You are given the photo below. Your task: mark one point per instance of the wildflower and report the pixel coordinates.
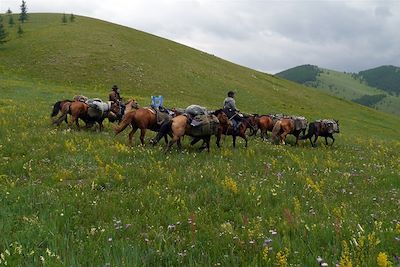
(281, 258)
(230, 184)
(265, 253)
(273, 232)
(382, 260)
(267, 242)
(109, 239)
(171, 227)
(345, 260)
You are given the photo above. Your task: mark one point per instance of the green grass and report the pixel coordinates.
(86, 198)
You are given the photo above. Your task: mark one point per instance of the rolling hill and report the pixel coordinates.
(377, 88)
(84, 198)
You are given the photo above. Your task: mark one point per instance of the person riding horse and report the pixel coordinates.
(115, 97)
(231, 111)
(114, 94)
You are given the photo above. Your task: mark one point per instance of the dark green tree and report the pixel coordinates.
(3, 33)
(64, 19)
(72, 18)
(20, 30)
(23, 16)
(10, 18)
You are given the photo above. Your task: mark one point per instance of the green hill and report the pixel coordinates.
(370, 88)
(84, 198)
(386, 78)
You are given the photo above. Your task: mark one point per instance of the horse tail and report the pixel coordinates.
(275, 131)
(311, 131)
(165, 129)
(126, 120)
(56, 108)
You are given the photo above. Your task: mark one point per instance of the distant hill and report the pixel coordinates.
(377, 88)
(386, 78)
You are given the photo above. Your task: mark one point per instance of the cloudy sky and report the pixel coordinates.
(267, 35)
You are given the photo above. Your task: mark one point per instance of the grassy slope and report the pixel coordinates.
(65, 194)
(343, 85)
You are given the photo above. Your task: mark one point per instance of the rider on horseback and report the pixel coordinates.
(114, 94)
(231, 111)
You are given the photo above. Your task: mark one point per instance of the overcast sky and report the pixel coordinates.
(267, 35)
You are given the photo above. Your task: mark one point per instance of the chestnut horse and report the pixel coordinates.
(63, 106)
(141, 118)
(286, 126)
(79, 110)
(324, 128)
(265, 123)
(180, 126)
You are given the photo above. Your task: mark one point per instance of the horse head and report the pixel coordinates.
(222, 117)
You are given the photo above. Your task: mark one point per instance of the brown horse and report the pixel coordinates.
(79, 110)
(63, 105)
(324, 128)
(141, 118)
(130, 105)
(286, 126)
(227, 129)
(60, 106)
(265, 123)
(180, 126)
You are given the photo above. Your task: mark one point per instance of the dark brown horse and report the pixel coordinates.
(80, 110)
(141, 118)
(227, 129)
(324, 128)
(180, 126)
(286, 126)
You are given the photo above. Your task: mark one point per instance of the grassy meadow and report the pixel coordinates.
(84, 198)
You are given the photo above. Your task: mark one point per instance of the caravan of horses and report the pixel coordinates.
(194, 121)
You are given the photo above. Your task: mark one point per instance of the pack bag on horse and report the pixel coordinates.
(63, 105)
(143, 119)
(91, 111)
(325, 128)
(290, 125)
(195, 122)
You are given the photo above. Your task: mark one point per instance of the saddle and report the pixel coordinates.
(162, 116)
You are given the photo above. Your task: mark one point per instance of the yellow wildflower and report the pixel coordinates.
(230, 184)
(281, 257)
(345, 260)
(382, 260)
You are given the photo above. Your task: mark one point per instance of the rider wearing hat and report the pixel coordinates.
(230, 109)
(114, 94)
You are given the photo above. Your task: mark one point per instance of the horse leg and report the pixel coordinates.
(310, 138)
(234, 140)
(171, 143)
(315, 140)
(326, 140)
(179, 143)
(142, 134)
(243, 135)
(297, 140)
(166, 139)
(207, 141)
(283, 138)
(131, 134)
